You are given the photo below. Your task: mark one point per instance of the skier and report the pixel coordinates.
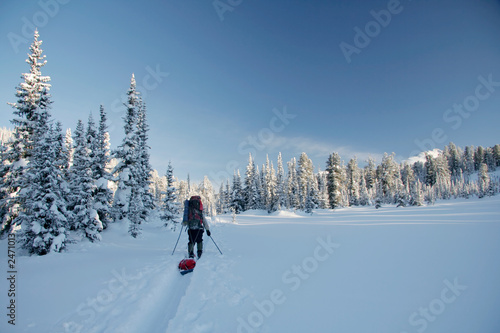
(196, 223)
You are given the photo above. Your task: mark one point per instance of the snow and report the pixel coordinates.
(421, 156)
(413, 269)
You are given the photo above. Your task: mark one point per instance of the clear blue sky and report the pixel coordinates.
(228, 71)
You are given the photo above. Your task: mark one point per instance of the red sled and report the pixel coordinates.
(186, 266)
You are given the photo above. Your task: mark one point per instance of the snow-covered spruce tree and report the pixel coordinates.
(478, 158)
(353, 175)
(103, 196)
(221, 200)
(126, 171)
(496, 154)
(305, 175)
(33, 98)
(483, 181)
(430, 170)
(84, 219)
(334, 180)
(443, 177)
(311, 201)
(170, 205)
(322, 190)
(271, 198)
(280, 185)
(292, 185)
(43, 219)
(143, 165)
(237, 197)
(207, 194)
(370, 173)
(389, 177)
(250, 191)
(468, 161)
(416, 194)
(364, 196)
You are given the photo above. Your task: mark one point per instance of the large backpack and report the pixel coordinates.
(195, 213)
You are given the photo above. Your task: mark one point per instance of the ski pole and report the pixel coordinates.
(215, 244)
(177, 240)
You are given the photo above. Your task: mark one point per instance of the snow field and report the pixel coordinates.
(422, 269)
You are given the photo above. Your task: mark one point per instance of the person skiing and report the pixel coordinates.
(196, 222)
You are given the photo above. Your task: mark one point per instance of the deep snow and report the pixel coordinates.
(413, 269)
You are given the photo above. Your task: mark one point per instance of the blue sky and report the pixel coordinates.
(268, 76)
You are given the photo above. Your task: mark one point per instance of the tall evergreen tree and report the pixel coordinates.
(85, 219)
(170, 205)
(33, 100)
(43, 219)
(305, 176)
(280, 185)
(126, 168)
(334, 180)
(237, 197)
(484, 181)
(353, 180)
(292, 185)
(103, 196)
(251, 191)
(143, 165)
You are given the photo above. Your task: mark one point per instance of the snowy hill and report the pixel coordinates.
(432, 269)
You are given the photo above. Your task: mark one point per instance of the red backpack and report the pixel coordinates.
(195, 213)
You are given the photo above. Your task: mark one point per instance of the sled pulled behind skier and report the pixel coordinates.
(196, 222)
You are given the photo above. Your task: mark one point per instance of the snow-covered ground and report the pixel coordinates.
(426, 269)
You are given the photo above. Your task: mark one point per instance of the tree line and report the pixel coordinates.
(451, 173)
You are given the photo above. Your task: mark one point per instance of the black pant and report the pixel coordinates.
(195, 235)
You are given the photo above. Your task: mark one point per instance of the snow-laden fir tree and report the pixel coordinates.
(292, 185)
(305, 176)
(103, 196)
(84, 219)
(237, 197)
(468, 161)
(416, 194)
(364, 196)
(280, 185)
(389, 178)
(43, 218)
(143, 165)
(33, 99)
(478, 158)
(484, 183)
(271, 198)
(126, 170)
(334, 180)
(353, 180)
(206, 192)
(322, 190)
(251, 190)
(311, 202)
(170, 207)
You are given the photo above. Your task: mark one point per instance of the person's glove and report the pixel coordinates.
(208, 233)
